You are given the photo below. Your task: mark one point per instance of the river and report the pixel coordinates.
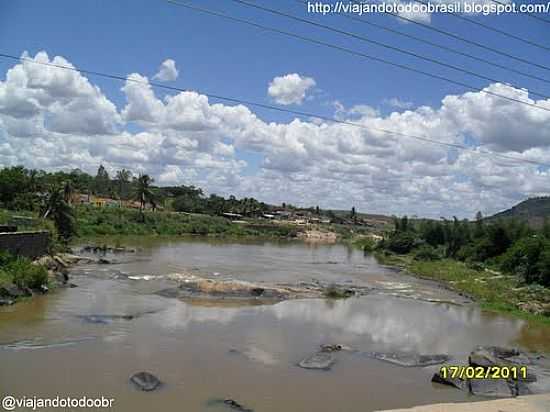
(210, 350)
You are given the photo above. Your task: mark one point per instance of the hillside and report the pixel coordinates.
(533, 210)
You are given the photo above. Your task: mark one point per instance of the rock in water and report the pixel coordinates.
(486, 356)
(145, 381)
(456, 382)
(319, 360)
(495, 388)
(6, 302)
(236, 405)
(409, 359)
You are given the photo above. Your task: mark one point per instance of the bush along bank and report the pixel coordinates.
(22, 278)
(504, 265)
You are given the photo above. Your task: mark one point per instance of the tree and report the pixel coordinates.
(143, 192)
(317, 211)
(68, 191)
(62, 214)
(479, 230)
(13, 181)
(123, 178)
(102, 180)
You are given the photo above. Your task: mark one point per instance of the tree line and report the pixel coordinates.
(508, 244)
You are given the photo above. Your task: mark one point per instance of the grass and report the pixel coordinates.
(92, 221)
(21, 272)
(492, 290)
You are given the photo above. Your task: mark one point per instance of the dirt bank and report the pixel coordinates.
(531, 403)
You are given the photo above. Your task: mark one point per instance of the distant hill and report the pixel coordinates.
(532, 210)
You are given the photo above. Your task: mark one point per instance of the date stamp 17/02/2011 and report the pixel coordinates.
(478, 372)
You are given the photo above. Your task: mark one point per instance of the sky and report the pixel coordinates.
(55, 119)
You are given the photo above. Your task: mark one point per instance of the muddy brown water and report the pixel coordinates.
(207, 350)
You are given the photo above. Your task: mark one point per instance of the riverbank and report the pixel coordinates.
(493, 290)
(531, 403)
(22, 278)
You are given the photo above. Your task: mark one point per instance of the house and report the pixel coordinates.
(232, 216)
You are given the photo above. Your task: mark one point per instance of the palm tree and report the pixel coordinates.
(68, 191)
(57, 209)
(143, 192)
(123, 177)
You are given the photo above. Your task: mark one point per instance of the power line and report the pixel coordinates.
(303, 114)
(384, 45)
(437, 45)
(493, 29)
(533, 15)
(352, 52)
(467, 41)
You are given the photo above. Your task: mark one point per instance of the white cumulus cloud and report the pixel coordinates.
(57, 119)
(167, 71)
(290, 89)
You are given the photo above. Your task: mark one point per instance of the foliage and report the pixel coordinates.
(366, 243)
(94, 221)
(21, 272)
(501, 293)
(530, 259)
(335, 292)
(509, 244)
(57, 209)
(401, 242)
(426, 252)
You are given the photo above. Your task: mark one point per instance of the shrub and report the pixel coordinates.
(530, 259)
(426, 252)
(401, 242)
(24, 274)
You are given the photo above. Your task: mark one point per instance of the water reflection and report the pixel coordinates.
(372, 322)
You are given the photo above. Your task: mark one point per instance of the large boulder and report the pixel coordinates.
(9, 290)
(494, 388)
(487, 356)
(145, 381)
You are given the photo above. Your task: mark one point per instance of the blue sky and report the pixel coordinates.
(222, 57)
(229, 58)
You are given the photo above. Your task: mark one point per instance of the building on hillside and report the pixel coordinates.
(232, 216)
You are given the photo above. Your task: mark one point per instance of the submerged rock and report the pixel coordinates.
(409, 359)
(236, 405)
(38, 343)
(104, 319)
(145, 381)
(334, 347)
(321, 360)
(230, 404)
(256, 355)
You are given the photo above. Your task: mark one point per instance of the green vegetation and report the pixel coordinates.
(503, 264)
(368, 244)
(94, 221)
(21, 272)
(335, 292)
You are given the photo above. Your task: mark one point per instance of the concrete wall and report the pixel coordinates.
(28, 244)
